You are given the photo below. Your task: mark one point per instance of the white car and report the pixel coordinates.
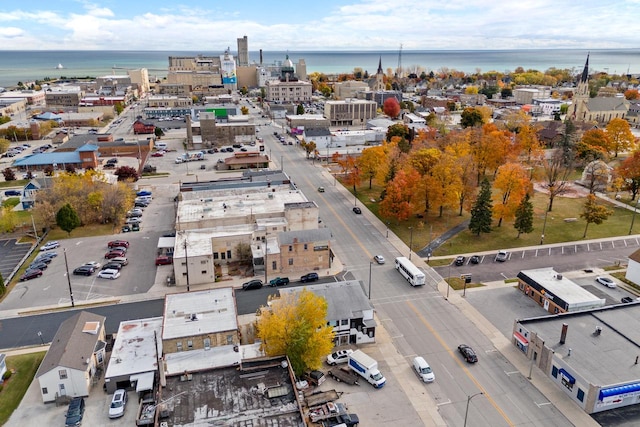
(50, 245)
(109, 274)
(134, 220)
(606, 281)
(118, 404)
(340, 356)
(96, 265)
(379, 259)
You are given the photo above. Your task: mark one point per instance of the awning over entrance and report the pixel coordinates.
(522, 340)
(144, 381)
(614, 391)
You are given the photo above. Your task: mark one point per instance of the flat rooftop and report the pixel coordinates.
(198, 313)
(234, 203)
(560, 286)
(134, 349)
(604, 359)
(232, 397)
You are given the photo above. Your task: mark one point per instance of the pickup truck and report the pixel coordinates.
(279, 281)
(349, 420)
(315, 377)
(146, 411)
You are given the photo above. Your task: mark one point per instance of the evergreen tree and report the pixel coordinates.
(67, 218)
(481, 212)
(524, 216)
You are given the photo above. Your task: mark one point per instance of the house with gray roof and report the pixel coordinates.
(349, 310)
(83, 157)
(77, 351)
(321, 136)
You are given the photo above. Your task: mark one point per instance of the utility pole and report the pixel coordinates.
(66, 264)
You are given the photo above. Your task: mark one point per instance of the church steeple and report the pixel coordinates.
(585, 73)
(380, 66)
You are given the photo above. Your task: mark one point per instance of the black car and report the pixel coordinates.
(468, 353)
(460, 260)
(252, 284)
(309, 277)
(12, 193)
(42, 259)
(475, 259)
(30, 274)
(112, 266)
(279, 281)
(626, 300)
(140, 204)
(37, 265)
(357, 210)
(75, 412)
(84, 270)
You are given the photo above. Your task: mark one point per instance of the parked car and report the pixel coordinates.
(252, 284)
(38, 266)
(279, 281)
(468, 353)
(50, 245)
(140, 204)
(423, 369)
(134, 214)
(48, 255)
(113, 254)
(75, 412)
(120, 259)
(30, 274)
(340, 356)
(10, 193)
(95, 264)
(112, 266)
(135, 220)
(126, 228)
(357, 210)
(142, 193)
(309, 277)
(475, 259)
(606, 281)
(109, 274)
(158, 154)
(135, 227)
(460, 260)
(42, 259)
(164, 260)
(118, 404)
(502, 256)
(626, 300)
(116, 243)
(119, 248)
(379, 259)
(84, 270)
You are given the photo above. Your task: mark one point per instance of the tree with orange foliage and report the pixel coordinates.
(512, 184)
(631, 94)
(593, 145)
(398, 202)
(445, 183)
(391, 107)
(422, 161)
(529, 145)
(620, 135)
(350, 171)
(629, 171)
(371, 162)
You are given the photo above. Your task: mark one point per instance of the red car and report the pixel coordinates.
(114, 254)
(164, 260)
(157, 154)
(116, 243)
(31, 274)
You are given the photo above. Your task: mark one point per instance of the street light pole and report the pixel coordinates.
(66, 264)
(544, 225)
(410, 241)
(40, 335)
(633, 218)
(466, 412)
(370, 264)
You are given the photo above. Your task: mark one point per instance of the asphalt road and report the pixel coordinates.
(419, 320)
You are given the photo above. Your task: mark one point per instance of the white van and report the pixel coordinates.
(423, 369)
(160, 145)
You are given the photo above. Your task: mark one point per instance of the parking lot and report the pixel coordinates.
(11, 253)
(52, 288)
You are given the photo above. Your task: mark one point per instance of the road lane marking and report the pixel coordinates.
(459, 362)
(448, 402)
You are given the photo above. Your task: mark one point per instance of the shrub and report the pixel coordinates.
(6, 375)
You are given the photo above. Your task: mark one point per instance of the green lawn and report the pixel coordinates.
(24, 368)
(420, 231)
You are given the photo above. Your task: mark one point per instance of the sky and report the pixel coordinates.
(317, 25)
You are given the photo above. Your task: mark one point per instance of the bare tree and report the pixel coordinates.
(557, 168)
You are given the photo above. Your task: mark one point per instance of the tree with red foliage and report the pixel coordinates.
(391, 107)
(126, 173)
